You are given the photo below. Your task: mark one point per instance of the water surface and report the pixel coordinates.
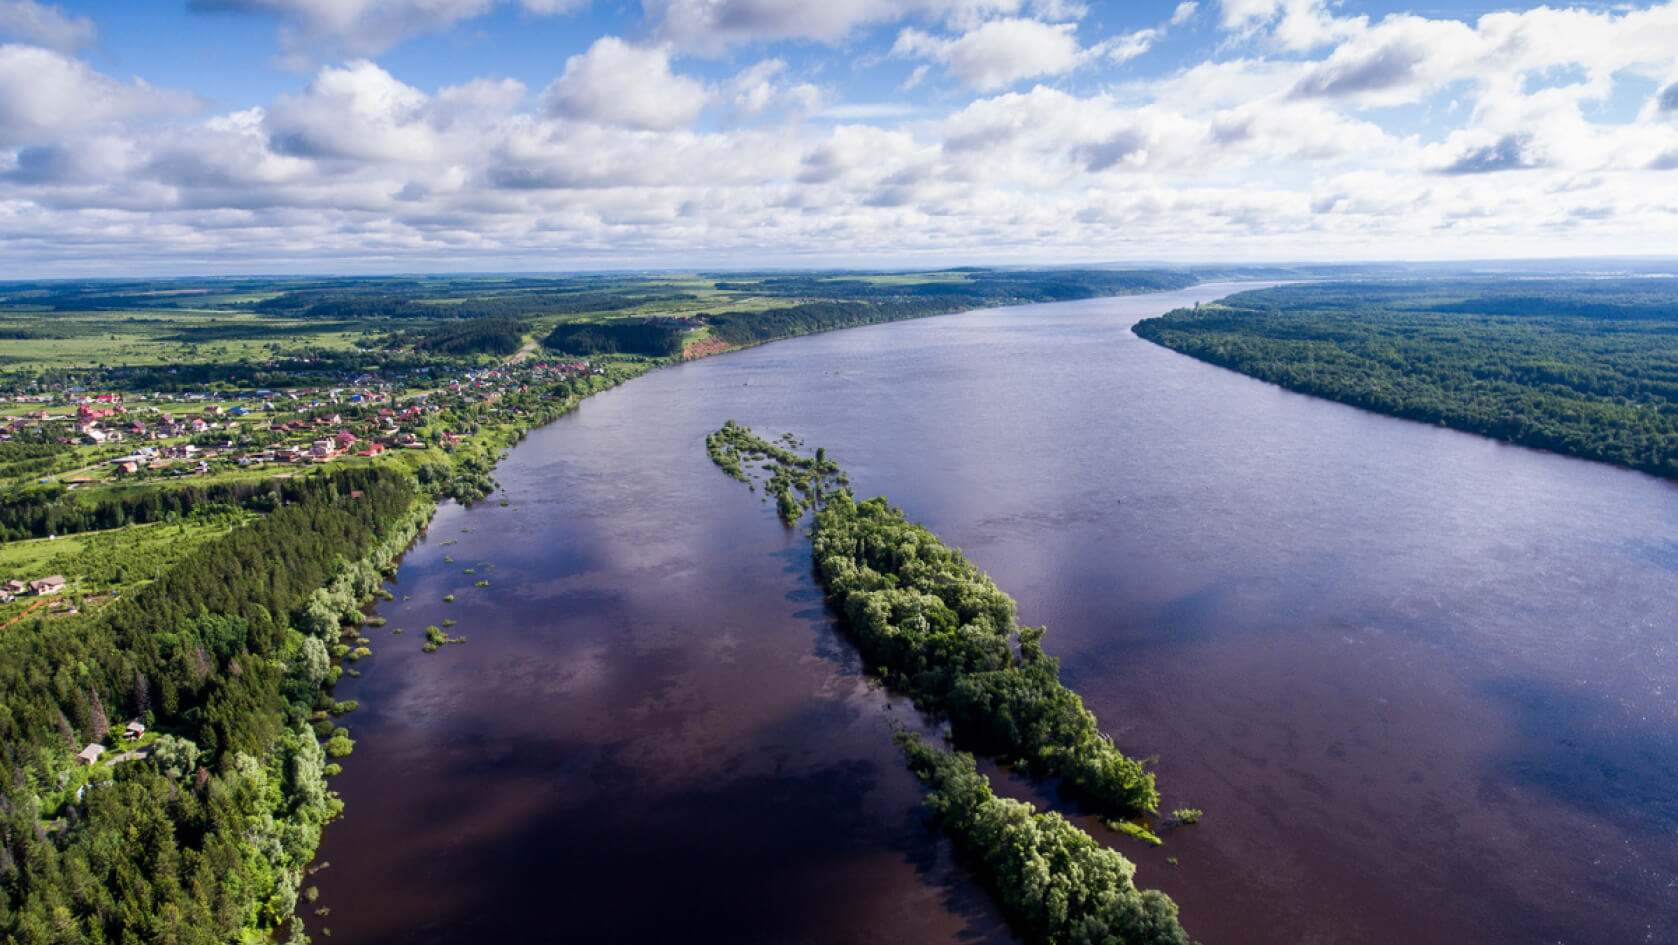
(1418, 680)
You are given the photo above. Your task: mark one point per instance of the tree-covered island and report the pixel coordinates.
(935, 627)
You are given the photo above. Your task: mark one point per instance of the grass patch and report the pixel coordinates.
(1133, 829)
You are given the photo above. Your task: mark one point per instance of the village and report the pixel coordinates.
(114, 440)
(206, 432)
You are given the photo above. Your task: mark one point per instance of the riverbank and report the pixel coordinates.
(1580, 368)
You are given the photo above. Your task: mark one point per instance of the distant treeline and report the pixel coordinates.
(327, 366)
(519, 304)
(1584, 368)
(587, 338)
(976, 287)
(846, 303)
(206, 840)
(853, 302)
(492, 334)
(749, 328)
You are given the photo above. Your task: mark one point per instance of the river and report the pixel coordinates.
(1421, 682)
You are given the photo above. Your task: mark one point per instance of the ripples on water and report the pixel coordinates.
(1422, 683)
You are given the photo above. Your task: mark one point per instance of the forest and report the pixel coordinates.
(488, 334)
(657, 341)
(40, 510)
(1582, 368)
(204, 839)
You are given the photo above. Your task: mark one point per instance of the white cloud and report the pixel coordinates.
(357, 112)
(867, 111)
(756, 91)
(1000, 52)
(1272, 147)
(614, 83)
(1128, 47)
(46, 25)
(44, 94)
(364, 27)
(711, 25)
(1185, 12)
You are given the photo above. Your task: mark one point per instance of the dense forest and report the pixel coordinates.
(490, 334)
(749, 328)
(40, 510)
(1583, 368)
(586, 338)
(204, 839)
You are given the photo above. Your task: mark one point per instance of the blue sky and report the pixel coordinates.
(458, 135)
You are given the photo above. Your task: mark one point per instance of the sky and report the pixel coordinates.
(361, 136)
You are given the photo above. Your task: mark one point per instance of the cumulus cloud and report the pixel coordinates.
(1002, 52)
(757, 90)
(1511, 152)
(356, 112)
(1383, 68)
(364, 27)
(44, 94)
(999, 52)
(614, 83)
(1270, 148)
(45, 25)
(1296, 25)
(714, 24)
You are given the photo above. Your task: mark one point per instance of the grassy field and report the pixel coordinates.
(97, 562)
(36, 341)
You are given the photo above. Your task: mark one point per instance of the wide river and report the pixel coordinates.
(1424, 685)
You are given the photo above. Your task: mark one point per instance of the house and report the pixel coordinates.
(47, 585)
(13, 588)
(90, 754)
(134, 730)
(128, 468)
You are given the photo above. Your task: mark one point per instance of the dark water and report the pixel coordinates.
(1421, 683)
